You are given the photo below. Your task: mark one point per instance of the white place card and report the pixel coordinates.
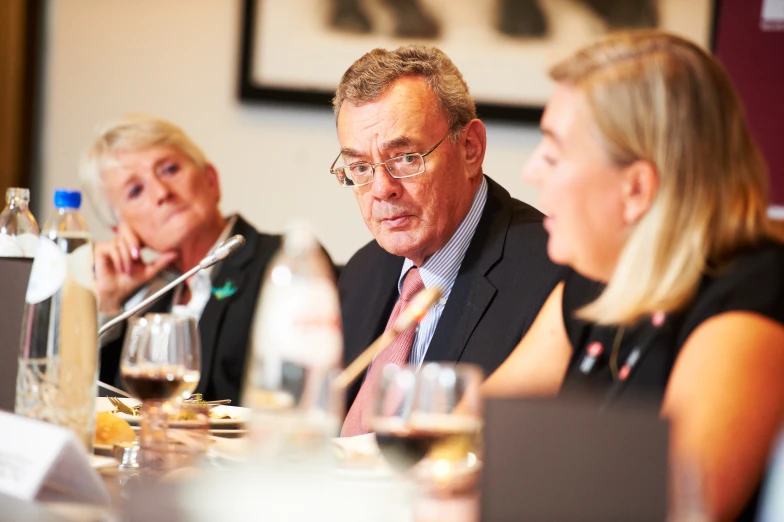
(36, 457)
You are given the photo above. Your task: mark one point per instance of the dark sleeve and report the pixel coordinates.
(110, 361)
(578, 291)
(753, 282)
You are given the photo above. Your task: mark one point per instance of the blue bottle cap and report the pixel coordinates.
(67, 198)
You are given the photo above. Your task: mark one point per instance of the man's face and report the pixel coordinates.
(410, 217)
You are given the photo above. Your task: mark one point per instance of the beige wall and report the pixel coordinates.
(178, 59)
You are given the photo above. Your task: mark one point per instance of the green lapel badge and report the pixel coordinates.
(227, 290)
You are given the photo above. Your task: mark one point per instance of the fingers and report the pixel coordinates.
(106, 259)
(128, 245)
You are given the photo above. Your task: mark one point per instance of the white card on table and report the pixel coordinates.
(35, 455)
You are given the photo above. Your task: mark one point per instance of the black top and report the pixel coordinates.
(752, 281)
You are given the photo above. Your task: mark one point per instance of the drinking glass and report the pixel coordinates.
(430, 419)
(448, 404)
(161, 361)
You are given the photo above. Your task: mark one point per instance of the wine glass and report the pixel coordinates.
(161, 361)
(391, 408)
(448, 407)
(161, 357)
(429, 419)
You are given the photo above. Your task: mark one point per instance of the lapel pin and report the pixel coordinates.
(227, 290)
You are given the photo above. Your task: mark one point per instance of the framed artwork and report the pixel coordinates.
(297, 50)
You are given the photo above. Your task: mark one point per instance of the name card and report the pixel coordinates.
(36, 457)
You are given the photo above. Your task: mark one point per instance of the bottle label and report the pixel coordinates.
(49, 271)
(300, 324)
(23, 245)
(80, 267)
(29, 244)
(10, 247)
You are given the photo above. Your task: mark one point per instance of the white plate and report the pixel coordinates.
(100, 462)
(359, 459)
(238, 415)
(102, 449)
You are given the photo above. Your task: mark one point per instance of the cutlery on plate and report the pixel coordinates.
(121, 406)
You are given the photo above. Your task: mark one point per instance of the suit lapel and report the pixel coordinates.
(473, 292)
(381, 297)
(232, 273)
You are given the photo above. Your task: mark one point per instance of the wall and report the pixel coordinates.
(178, 59)
(754, 59)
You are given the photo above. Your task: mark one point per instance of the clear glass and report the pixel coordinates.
(165, 446)
(18, 228)
(298, 346)
(58, 358)
(161, 365)
(431, 419)
(161, 357)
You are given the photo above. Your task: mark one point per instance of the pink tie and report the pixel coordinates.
(357, 421)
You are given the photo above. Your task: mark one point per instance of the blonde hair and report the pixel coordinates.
(128, 133)
(374, 73)
(660, 98)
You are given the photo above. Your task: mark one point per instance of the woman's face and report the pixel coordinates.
(580, 189)
(162, 195)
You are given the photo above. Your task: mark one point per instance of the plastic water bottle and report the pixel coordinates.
(58, 361)
(297, 350)
(18, 229)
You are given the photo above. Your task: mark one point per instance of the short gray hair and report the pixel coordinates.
(374, 73)
(128, 133)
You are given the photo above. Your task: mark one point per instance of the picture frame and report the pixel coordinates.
(295, 51)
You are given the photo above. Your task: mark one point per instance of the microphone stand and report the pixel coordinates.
(148, 301)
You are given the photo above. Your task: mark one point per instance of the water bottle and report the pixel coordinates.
(297, 349)
(18, 229)
(58, 361)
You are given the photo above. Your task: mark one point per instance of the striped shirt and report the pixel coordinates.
(440, 270)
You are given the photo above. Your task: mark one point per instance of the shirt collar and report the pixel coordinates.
(440, 269)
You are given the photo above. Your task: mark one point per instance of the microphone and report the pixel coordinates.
(415, 311)
(221, 252)
(224, 250)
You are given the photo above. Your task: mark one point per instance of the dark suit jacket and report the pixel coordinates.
(503, 281)
(225, 324)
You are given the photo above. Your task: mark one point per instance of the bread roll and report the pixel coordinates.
(111, 429)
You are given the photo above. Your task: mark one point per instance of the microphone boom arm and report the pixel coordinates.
(147, 302)
(224, 250)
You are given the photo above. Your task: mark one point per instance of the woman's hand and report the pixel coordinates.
(119, 270)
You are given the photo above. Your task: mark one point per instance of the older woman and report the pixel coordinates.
(160, 192)
(656, 197)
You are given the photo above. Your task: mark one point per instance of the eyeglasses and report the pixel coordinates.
(406, 165)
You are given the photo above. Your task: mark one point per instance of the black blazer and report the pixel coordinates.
(225, 323)
(502, 283)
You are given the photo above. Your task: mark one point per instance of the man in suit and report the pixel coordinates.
(160, 192)
(412, 151)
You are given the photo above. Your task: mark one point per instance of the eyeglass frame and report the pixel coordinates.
(332, 169)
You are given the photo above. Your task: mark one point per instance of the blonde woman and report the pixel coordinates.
(159, 191)
(656, 201)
